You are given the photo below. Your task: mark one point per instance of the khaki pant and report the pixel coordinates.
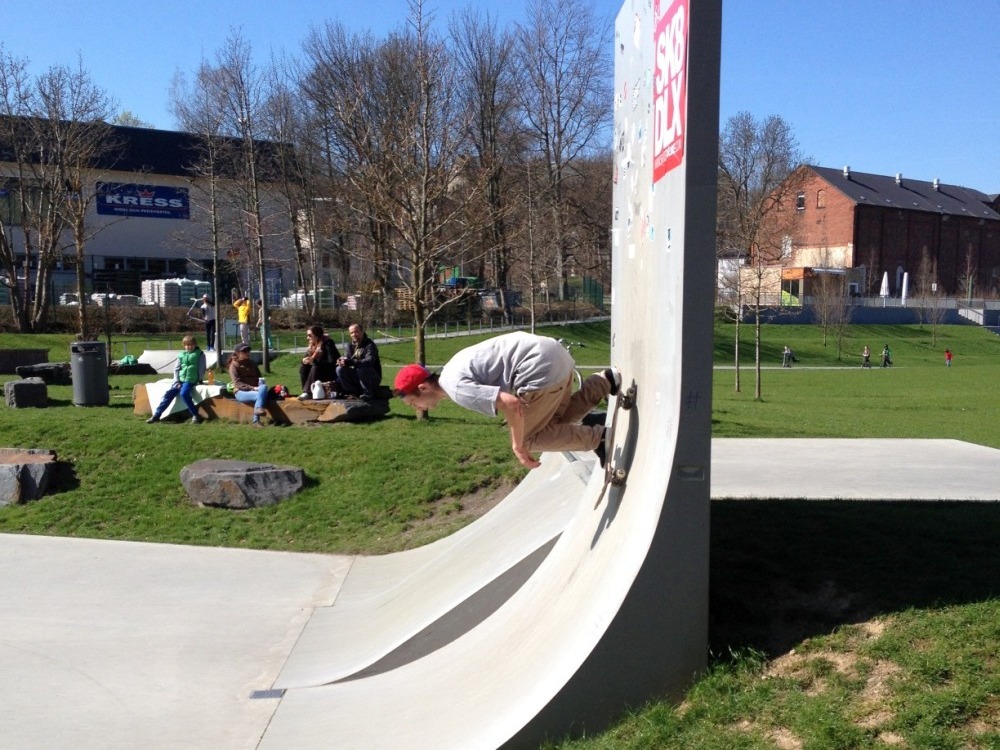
(552, 416)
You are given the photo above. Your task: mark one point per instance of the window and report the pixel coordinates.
(10, 213)
(800, 201)
(820, 199)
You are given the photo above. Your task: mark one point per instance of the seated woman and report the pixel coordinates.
(247, 385)
(320, 362)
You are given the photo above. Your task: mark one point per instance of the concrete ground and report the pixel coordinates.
(126, 645)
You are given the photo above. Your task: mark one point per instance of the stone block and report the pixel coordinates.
(240, 484)
(30, 392)
(24, 474)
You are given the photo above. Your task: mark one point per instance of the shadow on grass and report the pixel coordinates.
(783, 571)
(63, 478)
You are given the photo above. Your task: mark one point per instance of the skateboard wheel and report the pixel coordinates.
(628, 400)
(618, 477)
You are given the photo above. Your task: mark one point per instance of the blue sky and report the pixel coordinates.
(884, 86)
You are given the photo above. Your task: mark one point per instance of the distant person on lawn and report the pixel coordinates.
(526, 378)
(243, 306)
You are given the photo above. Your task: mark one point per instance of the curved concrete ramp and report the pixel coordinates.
(616, 611)
(386, 601)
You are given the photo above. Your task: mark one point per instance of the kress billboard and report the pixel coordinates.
(149, 201)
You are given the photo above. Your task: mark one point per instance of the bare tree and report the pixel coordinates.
(830, 307)
(486, 61)
(353, 110)
(198, 113)
(932, 311)
(563, 51)
(967, 279)
(756, 207)
(55, 128)
(129, 119)
(239, 86)
(400, 138)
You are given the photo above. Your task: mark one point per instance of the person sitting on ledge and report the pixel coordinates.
(248, 387)
(359, 372)
(188, 372)
(320, 362)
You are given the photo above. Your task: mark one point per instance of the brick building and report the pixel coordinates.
(868, 224)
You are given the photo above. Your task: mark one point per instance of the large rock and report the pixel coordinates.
(24, 474)
(53, 373)
(30, 392)
(354, 410)
(240, 484)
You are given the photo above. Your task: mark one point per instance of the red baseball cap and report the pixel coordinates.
(408, 378)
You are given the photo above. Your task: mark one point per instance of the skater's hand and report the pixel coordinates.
(512, 409)
(526, 459)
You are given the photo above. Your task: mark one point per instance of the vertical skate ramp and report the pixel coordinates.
(616, 613)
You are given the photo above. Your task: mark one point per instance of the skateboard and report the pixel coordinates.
(615, 475)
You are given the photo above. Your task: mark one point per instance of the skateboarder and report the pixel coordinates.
(526, 378)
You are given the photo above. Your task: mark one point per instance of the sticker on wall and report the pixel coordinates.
(669, 85)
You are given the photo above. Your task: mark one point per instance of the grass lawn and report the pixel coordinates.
(833, 625)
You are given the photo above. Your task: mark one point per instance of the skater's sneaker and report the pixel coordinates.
(153, 419)
(601, 449)
(614, 376)
(196, 419)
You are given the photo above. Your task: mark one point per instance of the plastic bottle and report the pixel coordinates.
(211, 377)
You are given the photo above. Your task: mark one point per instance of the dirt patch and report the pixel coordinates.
(448, 514)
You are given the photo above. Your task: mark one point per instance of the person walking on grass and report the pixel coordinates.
(188, 372)
(947, 357)
(527, 379)
(208, 315)
(866, 357)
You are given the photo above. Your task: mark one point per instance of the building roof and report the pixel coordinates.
(149, 151)
(154, 151)
(907, 194)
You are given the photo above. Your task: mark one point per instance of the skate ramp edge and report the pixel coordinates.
(388, 600)
(484, 687)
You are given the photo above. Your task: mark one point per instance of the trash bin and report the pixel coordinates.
(89, 370)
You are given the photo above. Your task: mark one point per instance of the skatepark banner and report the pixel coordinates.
(148, 201)
(669, 86)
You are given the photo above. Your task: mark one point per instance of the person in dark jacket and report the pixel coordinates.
(359, 373)
(320, 362)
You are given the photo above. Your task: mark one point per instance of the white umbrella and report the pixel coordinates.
(884, 291)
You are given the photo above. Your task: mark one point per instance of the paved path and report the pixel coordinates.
(107, 645)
